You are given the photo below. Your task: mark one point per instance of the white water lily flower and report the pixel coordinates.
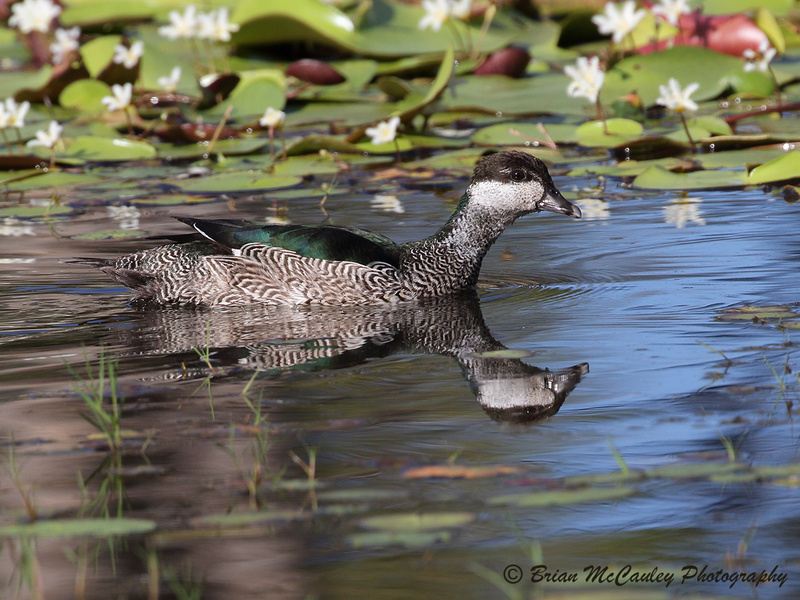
(587, 78)
(121, 98)
(675, 98)
(128, 57)
(215, 26)
(15, 113)
(384, 132)
(33, 15)
(181, 26)
(671, 10)
(170, 82)
(618, 23)
(460, 9)
(48, 138)
(272, 118)
(759, 60)
(66, 42)
(437, 13)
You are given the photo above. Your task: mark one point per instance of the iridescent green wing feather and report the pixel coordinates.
(318, 241)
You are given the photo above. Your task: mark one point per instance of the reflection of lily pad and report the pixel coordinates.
(550, 497)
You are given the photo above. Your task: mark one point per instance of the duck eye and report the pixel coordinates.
(518, 175)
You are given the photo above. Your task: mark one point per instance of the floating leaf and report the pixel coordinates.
(237, 182)
(459, 471)
(234, 147)
(98, 53)
(85, 95)
(102, 149)
(110, 234)
(101, 12)
(60, 528)
(783, 168)
(417, 521)
(659, 178)
(35, 211)
(524, 134)
(546, 498)
(510, 62)
(595, 134)
(314, 71)
(412, 539)
(251, 98)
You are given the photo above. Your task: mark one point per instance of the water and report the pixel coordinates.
(634, 290)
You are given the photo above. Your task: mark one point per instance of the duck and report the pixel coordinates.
(238, 262)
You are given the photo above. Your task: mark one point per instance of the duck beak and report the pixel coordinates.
(555, 202)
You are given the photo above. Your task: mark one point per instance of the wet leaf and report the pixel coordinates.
(103, 149)
(85, 95)
(237, 182)
(546, 498)
(409, 522)
(61, 528)
(314, 71)
(782, 168)
(510, 62)
(35, 211)
(407, 539)
(459, 471)
(595, 134)
(658, 178)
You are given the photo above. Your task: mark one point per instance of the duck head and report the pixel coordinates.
(516, 184)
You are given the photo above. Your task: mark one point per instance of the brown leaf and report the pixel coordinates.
(459, 471)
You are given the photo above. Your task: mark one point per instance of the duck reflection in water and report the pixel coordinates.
(277, 339)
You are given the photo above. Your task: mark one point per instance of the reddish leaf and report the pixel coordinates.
(459, 472)
(511, 61)
(63, 74)
(314, 71)
(729, 34)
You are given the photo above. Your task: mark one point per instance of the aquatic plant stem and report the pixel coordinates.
(218, 130)
(601, 114)
(686, 129)
(128, 121)
(22, 145)
(488, 17)
(5, 140)
(777, 87)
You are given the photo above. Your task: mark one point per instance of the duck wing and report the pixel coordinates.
(326, 242)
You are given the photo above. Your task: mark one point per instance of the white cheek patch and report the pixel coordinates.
(511, 197)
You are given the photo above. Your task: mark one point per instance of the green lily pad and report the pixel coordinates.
(54, 179)
(99, 12)
(98, 53)
(267, 22)
(35, 211)
(595, 134)
(237, 182)
(172, 200)
(103, 149)
(85, 95)
(61, 528)
(546, 498)
(659, 178)
(782, 168)
(524, 134)
(315, 143)
(417, 521)
(231, 147)
(251, 98)
(688, 64)
(727, 7)
(407, 539)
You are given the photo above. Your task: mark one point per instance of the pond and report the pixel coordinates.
(360, 452)
(609, 414)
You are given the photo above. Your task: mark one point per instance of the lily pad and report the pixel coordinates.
(85, 95)
(524, 134)
(251, 98)
(659, 178)
(61, 528)
(417, 521)
(596, 134)
(103, 149)
(237, 182)
(547, 498)
(783, 168)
